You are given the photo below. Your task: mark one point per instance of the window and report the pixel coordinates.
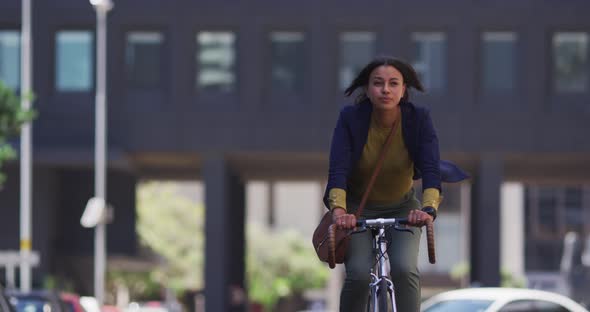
(287, 61)
(547, 306)
(10, 58)
(548, 210)
(216, 61)
(430, 59)
(518, 306)
(73, 61)
(356, 50)
(553, 211)
(460, 305)
(498, 61)
(533, 305)
(143, 59)
(570, 62)
(574, 209)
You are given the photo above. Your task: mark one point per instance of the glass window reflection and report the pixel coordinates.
(570, 61)
(430, 59)
(287, 61)
(143, 59)
(10, 58)
(74, 64)
(498, 61)
(356, 50)
(216, 61)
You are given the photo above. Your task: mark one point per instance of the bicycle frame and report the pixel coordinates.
(382, 273)
(380, 280)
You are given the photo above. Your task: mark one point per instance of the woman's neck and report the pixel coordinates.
(386, 118)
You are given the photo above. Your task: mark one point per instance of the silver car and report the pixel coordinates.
(500, 300)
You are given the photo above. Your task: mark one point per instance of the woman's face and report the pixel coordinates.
(386, 87)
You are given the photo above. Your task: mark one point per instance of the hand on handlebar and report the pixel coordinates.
(343, 220)
(418, 218)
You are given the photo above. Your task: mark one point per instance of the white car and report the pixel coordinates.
(500, 300)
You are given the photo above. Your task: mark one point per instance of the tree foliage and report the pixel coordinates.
(278, 263)
(12, 117)
(172, 226)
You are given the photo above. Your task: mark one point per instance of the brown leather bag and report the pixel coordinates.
(325, 238)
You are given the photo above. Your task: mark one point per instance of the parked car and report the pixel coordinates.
(4, 303)
(36, 301)
(90, 304)
(110, 308)
(72, 302)
(500, 300)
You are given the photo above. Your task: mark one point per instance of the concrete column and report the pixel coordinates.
(272, 215)
(485, 222)
(512, 229)
(224, 236)
(465, 213)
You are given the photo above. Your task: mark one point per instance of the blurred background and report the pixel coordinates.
(219, 116)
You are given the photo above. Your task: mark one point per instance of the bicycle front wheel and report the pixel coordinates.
(384, 297)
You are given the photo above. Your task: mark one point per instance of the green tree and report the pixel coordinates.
(281, 264)
(172, 226)
(278, 263)
(12, 117)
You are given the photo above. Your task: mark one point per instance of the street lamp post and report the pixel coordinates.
(26, 152)
(102, 7)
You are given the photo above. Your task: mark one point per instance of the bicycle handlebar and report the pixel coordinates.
(376, 223)
(380, 222)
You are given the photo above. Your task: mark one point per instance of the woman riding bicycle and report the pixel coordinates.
(360, 133)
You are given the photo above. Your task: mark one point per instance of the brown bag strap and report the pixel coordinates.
(376, 171)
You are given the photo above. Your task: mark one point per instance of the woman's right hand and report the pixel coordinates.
(343, 220)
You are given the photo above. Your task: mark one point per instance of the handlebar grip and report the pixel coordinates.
(332, 246)
(430, 242)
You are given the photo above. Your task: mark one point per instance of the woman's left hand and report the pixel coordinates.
(418, 218)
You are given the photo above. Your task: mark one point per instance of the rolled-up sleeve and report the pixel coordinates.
(431, 198)
(337, 198)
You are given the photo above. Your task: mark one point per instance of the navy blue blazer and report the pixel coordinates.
(350, 136)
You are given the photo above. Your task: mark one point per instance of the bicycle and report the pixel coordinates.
(381, 290)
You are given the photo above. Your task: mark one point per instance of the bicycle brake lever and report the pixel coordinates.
(358, 229)
(404, 229)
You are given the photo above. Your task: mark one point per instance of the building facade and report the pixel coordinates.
(228, 92)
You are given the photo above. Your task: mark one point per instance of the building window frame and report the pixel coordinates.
(569, 35)
(297, 91)
(234, 63)
(500, 36)
(431, 36)
(91, 60)
(342, 83)
(147, 34)
(541, 237)
(17, 81)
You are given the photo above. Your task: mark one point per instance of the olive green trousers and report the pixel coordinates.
(403, 259)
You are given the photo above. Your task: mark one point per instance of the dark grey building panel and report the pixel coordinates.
(175, 114)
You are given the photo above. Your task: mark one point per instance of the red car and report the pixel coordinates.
(72, 302)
